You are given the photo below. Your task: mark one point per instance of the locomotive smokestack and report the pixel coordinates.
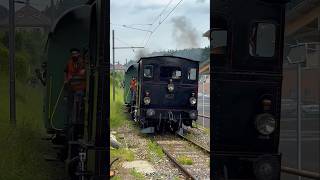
(184, 33)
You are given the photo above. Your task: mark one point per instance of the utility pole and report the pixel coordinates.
(11, 62)
(113, 72)
(113, 61)
(299, 115)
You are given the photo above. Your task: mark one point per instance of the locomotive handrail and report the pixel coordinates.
(301, 173)
(204, 116)
(54, 109)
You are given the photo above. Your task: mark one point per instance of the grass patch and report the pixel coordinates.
(184, 160)
(22, 150)
(122, 153)
(118, 117)
(154, 150)
(116, 178)
(137, 175)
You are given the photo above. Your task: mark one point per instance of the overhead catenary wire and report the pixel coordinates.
(175, 7)
(125, 43)
(129, 27)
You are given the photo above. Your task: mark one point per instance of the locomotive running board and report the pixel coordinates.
(148, 130)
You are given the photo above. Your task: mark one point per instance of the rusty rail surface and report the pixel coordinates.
(184, 170)
(194, 143)
(204, 116)
(302, 173)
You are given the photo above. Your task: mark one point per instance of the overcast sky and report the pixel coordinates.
(182, 29)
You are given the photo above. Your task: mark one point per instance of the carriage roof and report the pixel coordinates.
(135, 66)
(166, 56)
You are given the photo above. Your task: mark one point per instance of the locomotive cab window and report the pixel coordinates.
(148, 71)
(192, 74)
(167, 72)
(262, 40)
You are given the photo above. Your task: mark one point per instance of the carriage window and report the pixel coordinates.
(167, 72)
(192, 74)
(262, 40)
(148, 71)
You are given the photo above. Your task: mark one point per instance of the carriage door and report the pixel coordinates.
(246, 67)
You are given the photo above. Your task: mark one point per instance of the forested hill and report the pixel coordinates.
(198, 54)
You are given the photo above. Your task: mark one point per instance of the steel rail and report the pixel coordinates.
(196, 144)
(204, 116)
(301, 173)
(184, 170)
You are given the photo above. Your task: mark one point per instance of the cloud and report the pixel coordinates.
(201, 1)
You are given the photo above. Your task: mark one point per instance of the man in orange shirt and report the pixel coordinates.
(133, 88)
(75, 81)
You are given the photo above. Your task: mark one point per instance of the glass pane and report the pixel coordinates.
(262, 40)
(148, 71)
(219, 41)
(192, 75)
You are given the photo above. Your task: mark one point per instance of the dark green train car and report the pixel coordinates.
(132, 71)
(70, 31)
(82, 144)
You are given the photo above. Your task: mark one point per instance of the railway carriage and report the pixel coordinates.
(167, 93)
(81, 140)
(132, 71)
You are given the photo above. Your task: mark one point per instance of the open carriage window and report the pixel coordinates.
(148, 71)
(262, 40)
(192, 74)
(167, 72)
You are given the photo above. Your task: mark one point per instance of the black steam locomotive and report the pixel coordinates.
(166, 93)
(246, 63)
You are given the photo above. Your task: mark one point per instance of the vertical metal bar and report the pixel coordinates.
(52, 13)
(299, 116)
(203, 101)
(11, 62)
(113, 72)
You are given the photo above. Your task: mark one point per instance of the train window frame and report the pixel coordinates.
(171, 77)
(255, 24)
(148, 66)
(196, 72)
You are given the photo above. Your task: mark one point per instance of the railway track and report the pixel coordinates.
(191, 158)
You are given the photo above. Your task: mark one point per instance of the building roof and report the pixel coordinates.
(28, 16)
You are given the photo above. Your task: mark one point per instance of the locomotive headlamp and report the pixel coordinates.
(267, 168)
(193, 100)
(265, 123)
(150, 112)
(193, 114)
(170, 86)
(146, 100)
